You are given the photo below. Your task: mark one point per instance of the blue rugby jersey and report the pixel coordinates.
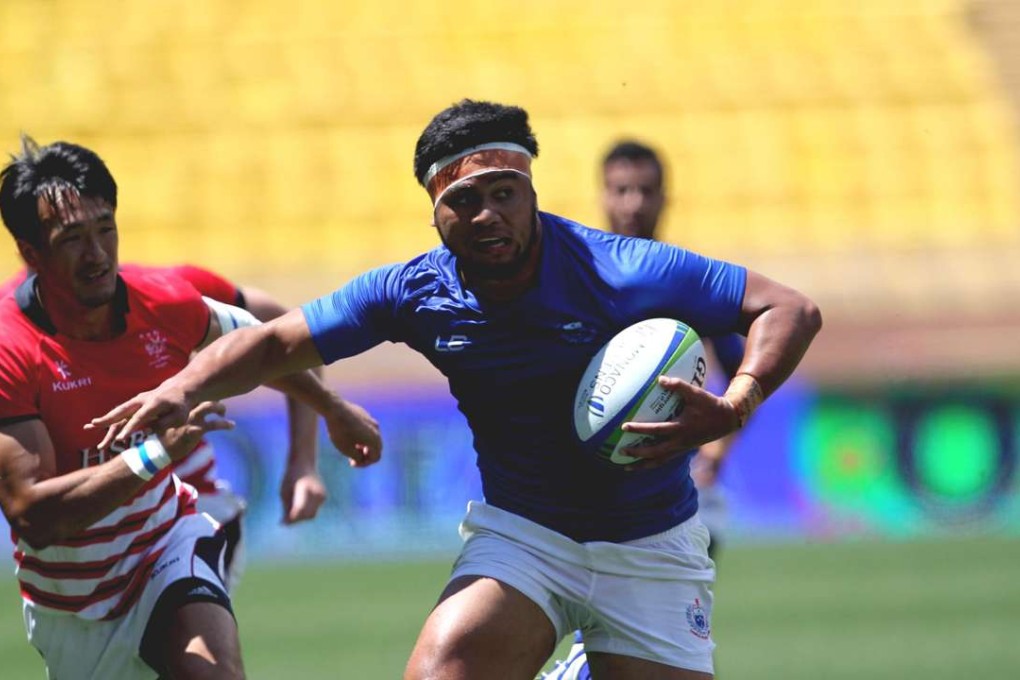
(513, 367)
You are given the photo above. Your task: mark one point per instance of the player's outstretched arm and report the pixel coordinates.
(234, 364)
(353, 432)
(44, 508)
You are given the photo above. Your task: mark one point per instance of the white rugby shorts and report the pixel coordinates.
(73, 647)
(228, 510)
(650, 598)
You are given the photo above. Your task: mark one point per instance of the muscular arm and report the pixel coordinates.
(780, 324)
(44, 508)
(238, 362)
(270, 353)
(234, 364)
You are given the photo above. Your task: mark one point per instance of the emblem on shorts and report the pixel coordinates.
(697, 619)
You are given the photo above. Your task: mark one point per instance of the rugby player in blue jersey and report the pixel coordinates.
(510, 308)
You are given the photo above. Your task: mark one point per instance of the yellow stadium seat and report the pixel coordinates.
(280, 137)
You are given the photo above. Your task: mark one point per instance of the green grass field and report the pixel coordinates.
(928, 610)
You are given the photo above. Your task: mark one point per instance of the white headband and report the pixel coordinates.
(436, 167)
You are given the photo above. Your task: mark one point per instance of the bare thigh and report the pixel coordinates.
(482, 628)
(616, 667)
(202, 644)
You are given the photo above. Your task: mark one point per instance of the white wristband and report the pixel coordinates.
(146, 459)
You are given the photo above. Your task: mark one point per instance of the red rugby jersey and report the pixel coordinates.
(66, 382)
(199, 467)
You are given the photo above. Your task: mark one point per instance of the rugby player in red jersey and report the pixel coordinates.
(301, 489)
(119, 575)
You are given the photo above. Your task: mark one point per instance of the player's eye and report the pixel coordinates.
(462, 199)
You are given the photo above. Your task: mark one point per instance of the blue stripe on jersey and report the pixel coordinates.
(514, 367)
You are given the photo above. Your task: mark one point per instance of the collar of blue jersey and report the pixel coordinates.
(28, 301)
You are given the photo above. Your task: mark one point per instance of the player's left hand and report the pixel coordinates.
(160, 409)
(703, 417)
(355, 434)
(302, 493)
(204, 418)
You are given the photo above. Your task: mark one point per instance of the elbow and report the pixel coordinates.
(37, 540)
(34, 534)
(30, 528)
(811, 317)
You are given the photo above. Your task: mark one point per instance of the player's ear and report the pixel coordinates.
(29, 253)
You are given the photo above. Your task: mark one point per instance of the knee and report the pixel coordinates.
(432, 659)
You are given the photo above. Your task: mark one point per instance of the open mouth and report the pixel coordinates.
(492, 244)
(94, 275)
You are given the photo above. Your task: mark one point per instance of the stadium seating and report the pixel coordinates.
(814, 140)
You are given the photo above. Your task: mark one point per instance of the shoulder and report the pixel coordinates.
(18, 327)
(11, 284)
(594, 242)
(13, 320)
(22, 339)
(159, 288)
(205, 281)
(431, 273)
(610, 255)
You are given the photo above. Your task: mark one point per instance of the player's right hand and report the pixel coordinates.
(355, 433)
(206, 417)
(159, 409)
(302, 493)
(704, 418)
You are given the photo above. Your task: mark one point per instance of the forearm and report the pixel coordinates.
(307, 396)
(777, 341)
(54, 509)
(777, 338)
(238, 363)
(303, 423)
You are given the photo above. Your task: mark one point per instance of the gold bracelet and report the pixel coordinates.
(745, 394)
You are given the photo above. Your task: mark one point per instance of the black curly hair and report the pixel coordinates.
(470, 123)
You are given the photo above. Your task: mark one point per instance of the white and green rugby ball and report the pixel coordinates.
(621, 384)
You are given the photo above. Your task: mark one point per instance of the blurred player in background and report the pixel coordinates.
(511, 308)
(633, 199)
(301, 489)
(120, 577)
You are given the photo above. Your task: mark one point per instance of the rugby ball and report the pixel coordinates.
(621, 384)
